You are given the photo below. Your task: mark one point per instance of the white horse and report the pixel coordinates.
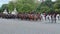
(43, 17)
(57, 17)
(48, 17)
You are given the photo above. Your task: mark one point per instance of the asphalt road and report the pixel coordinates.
(15, 26)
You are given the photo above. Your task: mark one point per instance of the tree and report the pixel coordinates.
(4, 6)
(45, 6)
(57, 7)
(22, 5)
(10, 6)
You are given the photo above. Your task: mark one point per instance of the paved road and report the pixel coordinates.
(15, 26)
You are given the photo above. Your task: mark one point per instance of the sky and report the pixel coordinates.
(4, 2)
(7, 1)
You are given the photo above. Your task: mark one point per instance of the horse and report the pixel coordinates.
(30, 16)
(35, 17)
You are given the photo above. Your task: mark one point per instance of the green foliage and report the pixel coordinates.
(11, 6)
(57, 6)
(22, 5)
(45, 6)
(4, 6)
(26, 6)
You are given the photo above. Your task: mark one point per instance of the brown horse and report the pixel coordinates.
(35, 17)
(39, 16)
(21, 16)
(31, 16)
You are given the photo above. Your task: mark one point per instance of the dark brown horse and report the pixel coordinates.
(21, 16)
(1, 15)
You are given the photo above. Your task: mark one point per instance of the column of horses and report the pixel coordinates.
(31, 16)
